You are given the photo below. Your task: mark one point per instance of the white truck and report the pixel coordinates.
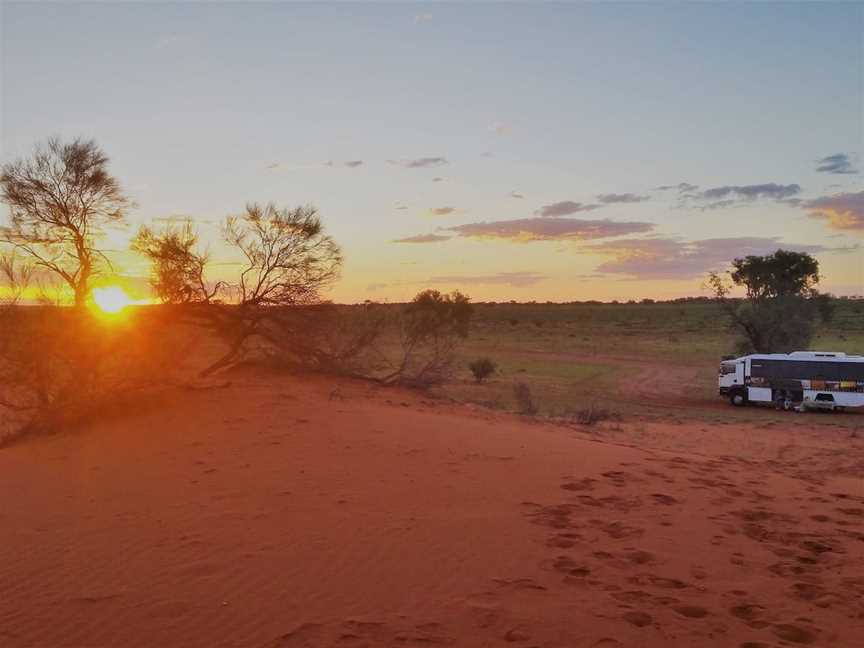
(803, 379)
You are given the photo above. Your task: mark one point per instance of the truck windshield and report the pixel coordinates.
(727, 368)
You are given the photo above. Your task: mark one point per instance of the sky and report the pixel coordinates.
(534, 151)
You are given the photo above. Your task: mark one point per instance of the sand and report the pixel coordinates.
(286, 511)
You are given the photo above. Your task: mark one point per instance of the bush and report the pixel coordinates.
(594, 414)
(57, 364)
(524, 400)
(482, 368)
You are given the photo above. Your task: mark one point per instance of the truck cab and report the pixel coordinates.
(731, 381)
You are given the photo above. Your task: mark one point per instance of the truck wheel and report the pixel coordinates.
(738, 399)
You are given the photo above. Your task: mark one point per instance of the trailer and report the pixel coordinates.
(801, 380)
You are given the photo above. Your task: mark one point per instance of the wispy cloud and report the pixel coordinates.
(843, 211)
(671, 258)
(420, 163)
(838, 163)
(769, 190)
(516, 279)
(422, 18)
(441, 211)
(423, 238)
(400, 206)
(681, 187)
(351, 164)
(516, 194)
(564, 208)
(610, 198)
(437, 179)
(549, 229)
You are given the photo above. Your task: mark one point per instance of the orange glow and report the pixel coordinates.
(111, 300)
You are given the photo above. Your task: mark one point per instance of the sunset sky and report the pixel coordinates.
(515, 151)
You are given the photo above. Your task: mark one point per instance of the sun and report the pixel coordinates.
(111, 299)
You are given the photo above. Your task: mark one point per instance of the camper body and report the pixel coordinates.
(805, 379)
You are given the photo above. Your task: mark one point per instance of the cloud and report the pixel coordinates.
(770, 190)
(422, 18)
(549, 229)
(400, 206)
(671, 258)
(620, 198)
(442, 211)
(564, 208)
(681, 187)
(437, 179)
(843, 211)
(351, 164)
(838, 163)
(423, 238)
(516, 279)
(516, 194)
(420, 163)
(275, 165)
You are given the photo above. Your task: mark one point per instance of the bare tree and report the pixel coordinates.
(60, 199)
(288, 261)
(177, 270)
(17, 276)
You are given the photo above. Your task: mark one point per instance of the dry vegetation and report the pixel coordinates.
(581, 362)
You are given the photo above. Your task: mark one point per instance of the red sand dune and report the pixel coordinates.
(281, 513)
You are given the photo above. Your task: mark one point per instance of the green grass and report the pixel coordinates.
(571, 354)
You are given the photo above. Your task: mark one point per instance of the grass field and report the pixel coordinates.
(628, 357)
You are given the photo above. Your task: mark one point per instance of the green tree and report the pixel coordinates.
(782, 306)
(781, 274)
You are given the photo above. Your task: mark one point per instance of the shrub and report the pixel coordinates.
(482, 368)
(594, 414)
(57, 364)
(524, 400)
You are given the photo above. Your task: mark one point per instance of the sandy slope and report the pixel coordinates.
(281, 513)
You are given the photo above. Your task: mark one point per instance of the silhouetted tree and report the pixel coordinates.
(177, 267)
(16, 276)
(60, 199)
(431, 326)
(782, 305)
(781, 274)
(288, 261)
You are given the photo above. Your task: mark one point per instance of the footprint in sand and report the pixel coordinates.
(691, 611)
(580, 485)
(661, 498)
(751, 614)
(306, 635)
(618, 530)
(570, 567)
(793, 633)
(657, 581)
(638, 619)
(563, 540)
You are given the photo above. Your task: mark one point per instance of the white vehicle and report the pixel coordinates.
(805, 379)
